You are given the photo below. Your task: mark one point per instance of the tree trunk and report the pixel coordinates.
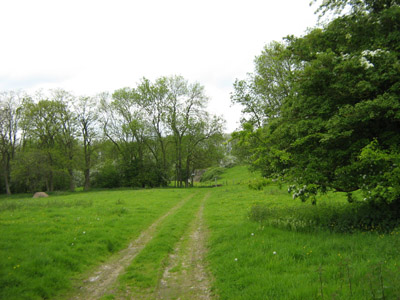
(6, 179)
(71, 179)
(51, 182)
(87, 153)
(87, 179)
(187, 172)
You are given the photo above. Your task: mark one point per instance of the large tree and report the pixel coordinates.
(261, 95)
(87, 114)
(339, 127)
(152, 99)
(49, 127)
(69, 130)
(185, 116)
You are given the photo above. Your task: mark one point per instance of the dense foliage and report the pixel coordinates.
(146, 136)
(335, 122)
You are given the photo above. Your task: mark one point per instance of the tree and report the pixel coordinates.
(262, 94)
(67, 138)
(185, 105)
(202, 145)
(141, 122)
(356, 6)
(88, 119)
(338, 128)
(152, 98)
(9, 128)
(125, 126)
(45, 125)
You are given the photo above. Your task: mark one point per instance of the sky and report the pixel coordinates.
(93, 46)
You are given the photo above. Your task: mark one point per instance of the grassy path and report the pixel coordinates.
(100, 282)
(172, 263)
(186, 277)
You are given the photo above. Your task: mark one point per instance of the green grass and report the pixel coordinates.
(239, 175)
(308, 264)
(232, 176)
(45, 242)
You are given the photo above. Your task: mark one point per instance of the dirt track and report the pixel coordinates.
(102, 280)
(185, 276)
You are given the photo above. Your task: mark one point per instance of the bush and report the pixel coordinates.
(259, 184)
(260, 213)
(346, 218)
(211, 173)
(107, 176)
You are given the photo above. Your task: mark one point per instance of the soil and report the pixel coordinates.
(102, 280)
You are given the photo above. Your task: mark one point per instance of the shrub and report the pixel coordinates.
(258, 184)
(211, 173)
(107, 176)
(260, 213)
(346, 218)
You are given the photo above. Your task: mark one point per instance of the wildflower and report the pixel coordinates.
(72, 244)
(235, 258)
(84, 232)
(252, 233)
(274, 253)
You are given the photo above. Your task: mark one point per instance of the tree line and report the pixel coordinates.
(322, 111)
(149, 135)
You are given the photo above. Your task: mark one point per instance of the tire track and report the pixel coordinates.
(186, 276)
(103, 278)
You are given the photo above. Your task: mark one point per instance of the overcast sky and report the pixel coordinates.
(91, 46)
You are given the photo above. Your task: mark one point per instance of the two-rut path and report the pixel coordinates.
(185, 276)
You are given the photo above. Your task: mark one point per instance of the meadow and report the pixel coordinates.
(261, 244)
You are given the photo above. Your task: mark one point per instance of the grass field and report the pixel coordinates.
(46, 245)
(45, 242)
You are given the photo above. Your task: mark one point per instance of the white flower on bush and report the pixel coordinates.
(366, 63)
(373, 53)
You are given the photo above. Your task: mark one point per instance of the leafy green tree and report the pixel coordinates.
(263, 92)
(125, 126)
(30, 169)
(202, 146)
(185, 118)
(49, 126)
(9, 128)
(339, 125)
(157, 127)
(87, 111)
(67, 139)
(153, 98)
